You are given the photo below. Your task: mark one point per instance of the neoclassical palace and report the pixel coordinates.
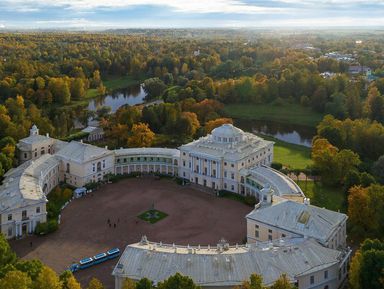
(285, 233)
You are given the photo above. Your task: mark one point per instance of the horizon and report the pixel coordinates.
(174, 14)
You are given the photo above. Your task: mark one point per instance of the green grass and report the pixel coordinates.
(91, 93)
(288, 113)
(322, 196)
(113, 83)
(290, 155)
(159, 216)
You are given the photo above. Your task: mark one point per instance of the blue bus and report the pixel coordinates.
(90, 261)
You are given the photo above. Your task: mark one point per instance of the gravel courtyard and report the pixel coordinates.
(194, 217)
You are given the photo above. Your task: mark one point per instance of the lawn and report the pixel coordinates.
(112, 83)
(152, 216)
(290, 155)
(322, 196)
(289, 113)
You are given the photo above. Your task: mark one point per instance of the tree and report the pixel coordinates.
(141, 136)
(16, 280)
(367, 266)
(31, 267)
(256, 282)
(128, 284)
(188, 123)
(72, 283)
(210, 125)
(144, 283)
(282, 283)
(77, 89)
(154, 87)
(95, 284)
(47, 279)
(7, 256)
(378, 169)
(178, 281)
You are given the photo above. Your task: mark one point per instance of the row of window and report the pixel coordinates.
(312, 278)
(24, 214)
(145, 159)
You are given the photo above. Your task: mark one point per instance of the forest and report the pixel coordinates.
(46, 79)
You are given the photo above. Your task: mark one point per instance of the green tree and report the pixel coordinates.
(7, 256)
(144, 283)
(77, 89)
(178, 281)
(154, 87)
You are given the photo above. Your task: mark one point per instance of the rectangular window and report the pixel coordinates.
(283, 235)
(325, 274)
(25, 155)
(24, 214)
(232, 176)
(9, 217)
(257, 226)
(38, 210)
(270, 237)
(269, 231)
(225, 185)
(257, 234)
(9, 231)
(312, 280)
(232, 187)
(225, 174)
(232, 165)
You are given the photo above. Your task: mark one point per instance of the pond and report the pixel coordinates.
(131, 95)
(295, 134)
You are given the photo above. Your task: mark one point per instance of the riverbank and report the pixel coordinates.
(111, 84)
(290, 155)
(288, 113)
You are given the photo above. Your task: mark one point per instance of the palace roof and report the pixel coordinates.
(225, 266)
(22, 186)
(227, 142)
(299, 218)
(81, 152)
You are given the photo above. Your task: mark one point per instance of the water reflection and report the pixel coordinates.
(131, 95)
(295, 134)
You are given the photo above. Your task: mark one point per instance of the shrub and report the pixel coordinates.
(277, 166)
(250, 200)
(47, 227)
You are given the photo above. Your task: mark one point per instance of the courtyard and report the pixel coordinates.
(108, 218)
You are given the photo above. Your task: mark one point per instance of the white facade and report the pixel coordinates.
(216, 160)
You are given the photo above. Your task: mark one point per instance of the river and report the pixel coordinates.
(135, 94)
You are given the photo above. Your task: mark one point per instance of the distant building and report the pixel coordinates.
(359, 69)
(93, 133)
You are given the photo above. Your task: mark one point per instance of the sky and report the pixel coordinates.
(110, 14)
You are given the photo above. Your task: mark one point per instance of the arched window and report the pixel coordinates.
(99, 166)
(68, 168)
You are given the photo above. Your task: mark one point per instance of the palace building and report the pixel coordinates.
(285, 233)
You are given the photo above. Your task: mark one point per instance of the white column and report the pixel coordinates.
(167, 168)
(199, 166)
(209, 168)
(192, 165)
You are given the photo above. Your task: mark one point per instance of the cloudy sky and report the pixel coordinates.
(105, 14)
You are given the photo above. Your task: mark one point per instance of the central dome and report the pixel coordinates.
(227, 133)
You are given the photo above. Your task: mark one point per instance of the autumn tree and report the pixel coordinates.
(128, 284)
(47, 279)
(188, 123)
(95, 284)
(210, 125)
(16, 280)
(282, 283)
(141, 136)
(154, 87)
(255, 282)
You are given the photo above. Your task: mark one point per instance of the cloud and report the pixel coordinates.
(2, 26)
(192, 6)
